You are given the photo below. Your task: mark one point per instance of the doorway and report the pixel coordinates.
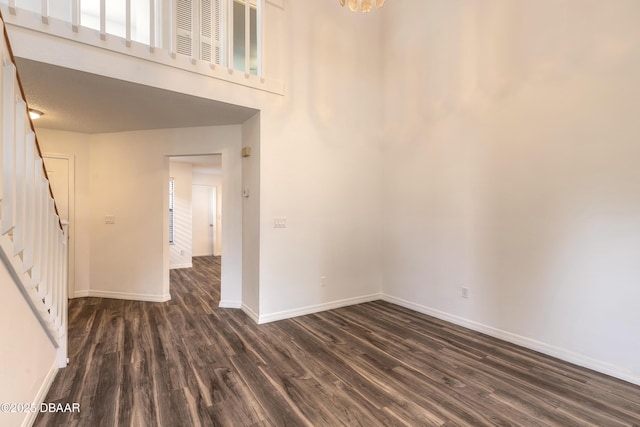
(60, 169)
(203, 214)
(195, 217)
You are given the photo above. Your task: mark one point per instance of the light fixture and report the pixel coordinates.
(362, 5)
(35, 114)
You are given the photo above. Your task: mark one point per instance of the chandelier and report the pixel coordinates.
(362, 5)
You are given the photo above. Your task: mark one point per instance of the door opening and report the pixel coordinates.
(60, 169)
(195, 216)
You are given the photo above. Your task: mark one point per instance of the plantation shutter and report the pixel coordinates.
(199, 26)
(217, 30)
(184, 27)
(206, 27)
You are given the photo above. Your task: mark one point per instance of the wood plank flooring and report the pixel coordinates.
(188, 363)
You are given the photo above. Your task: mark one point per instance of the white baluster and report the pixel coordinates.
(8, 144)
(45, 11)
(38, 240)
(55, 284)
(247, 38)
(48, 299)
(44, 235)
(128, 22)
(75, 15)
(260, 36)
(27, 257)
(152, 25)
(103, 20)
(58, 288)
(173, 38)
(20, 149)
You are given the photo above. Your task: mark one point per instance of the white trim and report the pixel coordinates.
(230, 304)
(185, 265)
(123, 295)
(80, 294)
(249, 312)
(280, 315)
(42, 395)
(550, 350)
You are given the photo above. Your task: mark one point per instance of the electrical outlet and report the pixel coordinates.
(323, 281)
(464, 292)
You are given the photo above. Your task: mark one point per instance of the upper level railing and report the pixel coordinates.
(33, 242)
(225, 35)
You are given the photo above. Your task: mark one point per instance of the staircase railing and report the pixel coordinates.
(33, 241)
(194, 35)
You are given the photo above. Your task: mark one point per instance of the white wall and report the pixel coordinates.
(126, 175)
(27, 356)
(181, 250)
(77, 145)
(511, 167)
(132, 258)
(251, 218)
(320, 163)
(213, 180)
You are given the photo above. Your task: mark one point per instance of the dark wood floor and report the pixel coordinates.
(187, 362)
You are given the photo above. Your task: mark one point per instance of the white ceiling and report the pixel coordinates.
(88, 103)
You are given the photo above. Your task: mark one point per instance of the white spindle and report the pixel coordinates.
(37, 230)
(75, 15)
(64, 295)
(45, 11)
(103, 19)
(58, 282)
(247, 38)
(173, 37)
(44, 236)
(20, 149)
(55, 254)
(8, 144)
(128, 22)
(152, 24)
(27, 257)
(51, 231)
(260, 36)
(228, 14)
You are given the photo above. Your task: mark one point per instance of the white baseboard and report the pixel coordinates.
(176, 266)
(272, 317)
(249, 312)
(230, 304)
(559, 353)
(122, 295)
(80, 294)
(42, 394)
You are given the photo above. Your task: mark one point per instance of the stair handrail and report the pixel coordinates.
(33, 240)
(24, 97)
